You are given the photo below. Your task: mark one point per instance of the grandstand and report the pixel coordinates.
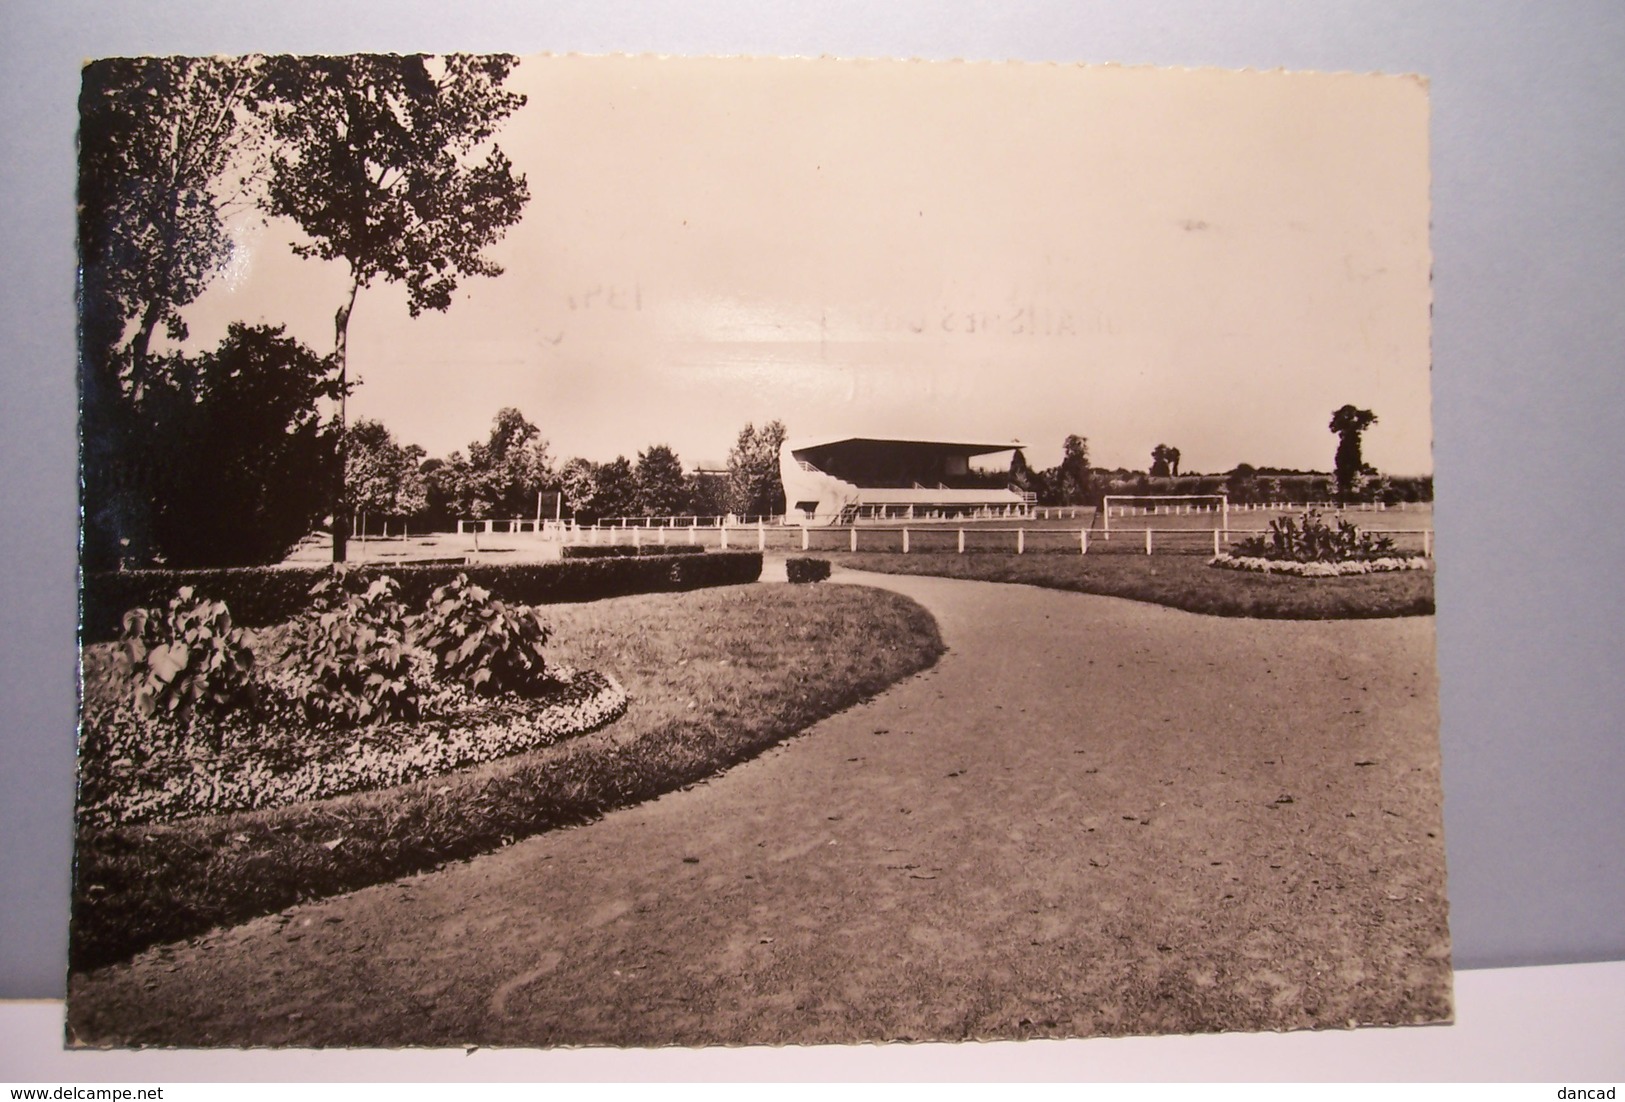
(843, 480)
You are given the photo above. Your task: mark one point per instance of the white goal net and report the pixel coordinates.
(1137, 511)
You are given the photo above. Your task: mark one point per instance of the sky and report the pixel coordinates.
(1207, 259)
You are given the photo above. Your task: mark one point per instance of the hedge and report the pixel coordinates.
(627, 550)
(262, 595)
(802, 570)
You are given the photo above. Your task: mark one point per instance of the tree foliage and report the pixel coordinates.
(1349, 423)
(616, 488)
(388, 164)
(239, 463)
(508, 470)
(1164, 461)
(663, 488)
(1024, 478)
(1072, 484)
(385, 479)
(499, 478)
(166, 145)
(754, 485)
(599, 491)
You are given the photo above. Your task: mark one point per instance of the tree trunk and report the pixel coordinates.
(140, 345)
(341, 344)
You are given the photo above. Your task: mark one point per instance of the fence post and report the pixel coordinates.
(724, 531)
(1021, 541)
(961, 541)
(905, 541)
(1215, 543)
(1083, 541)
(854, 540)
(761, 537)
(1148, 541)
(804, 531)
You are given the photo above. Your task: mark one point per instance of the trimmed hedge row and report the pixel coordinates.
(628, 551)
(263, 595)
(805, 570)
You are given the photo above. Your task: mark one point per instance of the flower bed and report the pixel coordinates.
(132, 774)
(1256, 565)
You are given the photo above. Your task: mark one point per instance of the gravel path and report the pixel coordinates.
(1092, 816)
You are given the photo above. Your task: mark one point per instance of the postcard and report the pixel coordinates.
(642, 551)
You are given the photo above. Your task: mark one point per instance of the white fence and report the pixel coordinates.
(951, 539)
(939, 535)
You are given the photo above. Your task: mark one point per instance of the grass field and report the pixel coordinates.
(715, 677)
(1179, 581)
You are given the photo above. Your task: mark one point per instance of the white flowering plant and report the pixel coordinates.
(1258, 565)
(245, 762)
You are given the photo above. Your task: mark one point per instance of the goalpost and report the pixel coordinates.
(1214, 507)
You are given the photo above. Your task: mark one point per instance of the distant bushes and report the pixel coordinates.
(1249, 485)
(260, 595)
(628, 551)
(806, 570)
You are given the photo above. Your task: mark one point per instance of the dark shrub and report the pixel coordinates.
(805, 570)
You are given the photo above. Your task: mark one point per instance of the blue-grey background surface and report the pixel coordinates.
(1529, 356)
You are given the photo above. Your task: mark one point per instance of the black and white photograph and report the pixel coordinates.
(648, 551)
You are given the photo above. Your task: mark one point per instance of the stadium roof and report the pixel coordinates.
(965, 447)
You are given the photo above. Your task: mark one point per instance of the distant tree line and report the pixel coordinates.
(512, 474)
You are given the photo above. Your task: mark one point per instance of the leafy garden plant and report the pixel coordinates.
(185, 660)
(359, 664)
(482, 643)
(1311, 539)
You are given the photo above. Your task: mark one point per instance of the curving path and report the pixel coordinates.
(1092, 816)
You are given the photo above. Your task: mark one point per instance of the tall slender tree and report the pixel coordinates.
(167, 149)
(1349, 423)
(388, 165)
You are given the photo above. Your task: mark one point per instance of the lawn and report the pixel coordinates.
(715, 677)
(1179, 581)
